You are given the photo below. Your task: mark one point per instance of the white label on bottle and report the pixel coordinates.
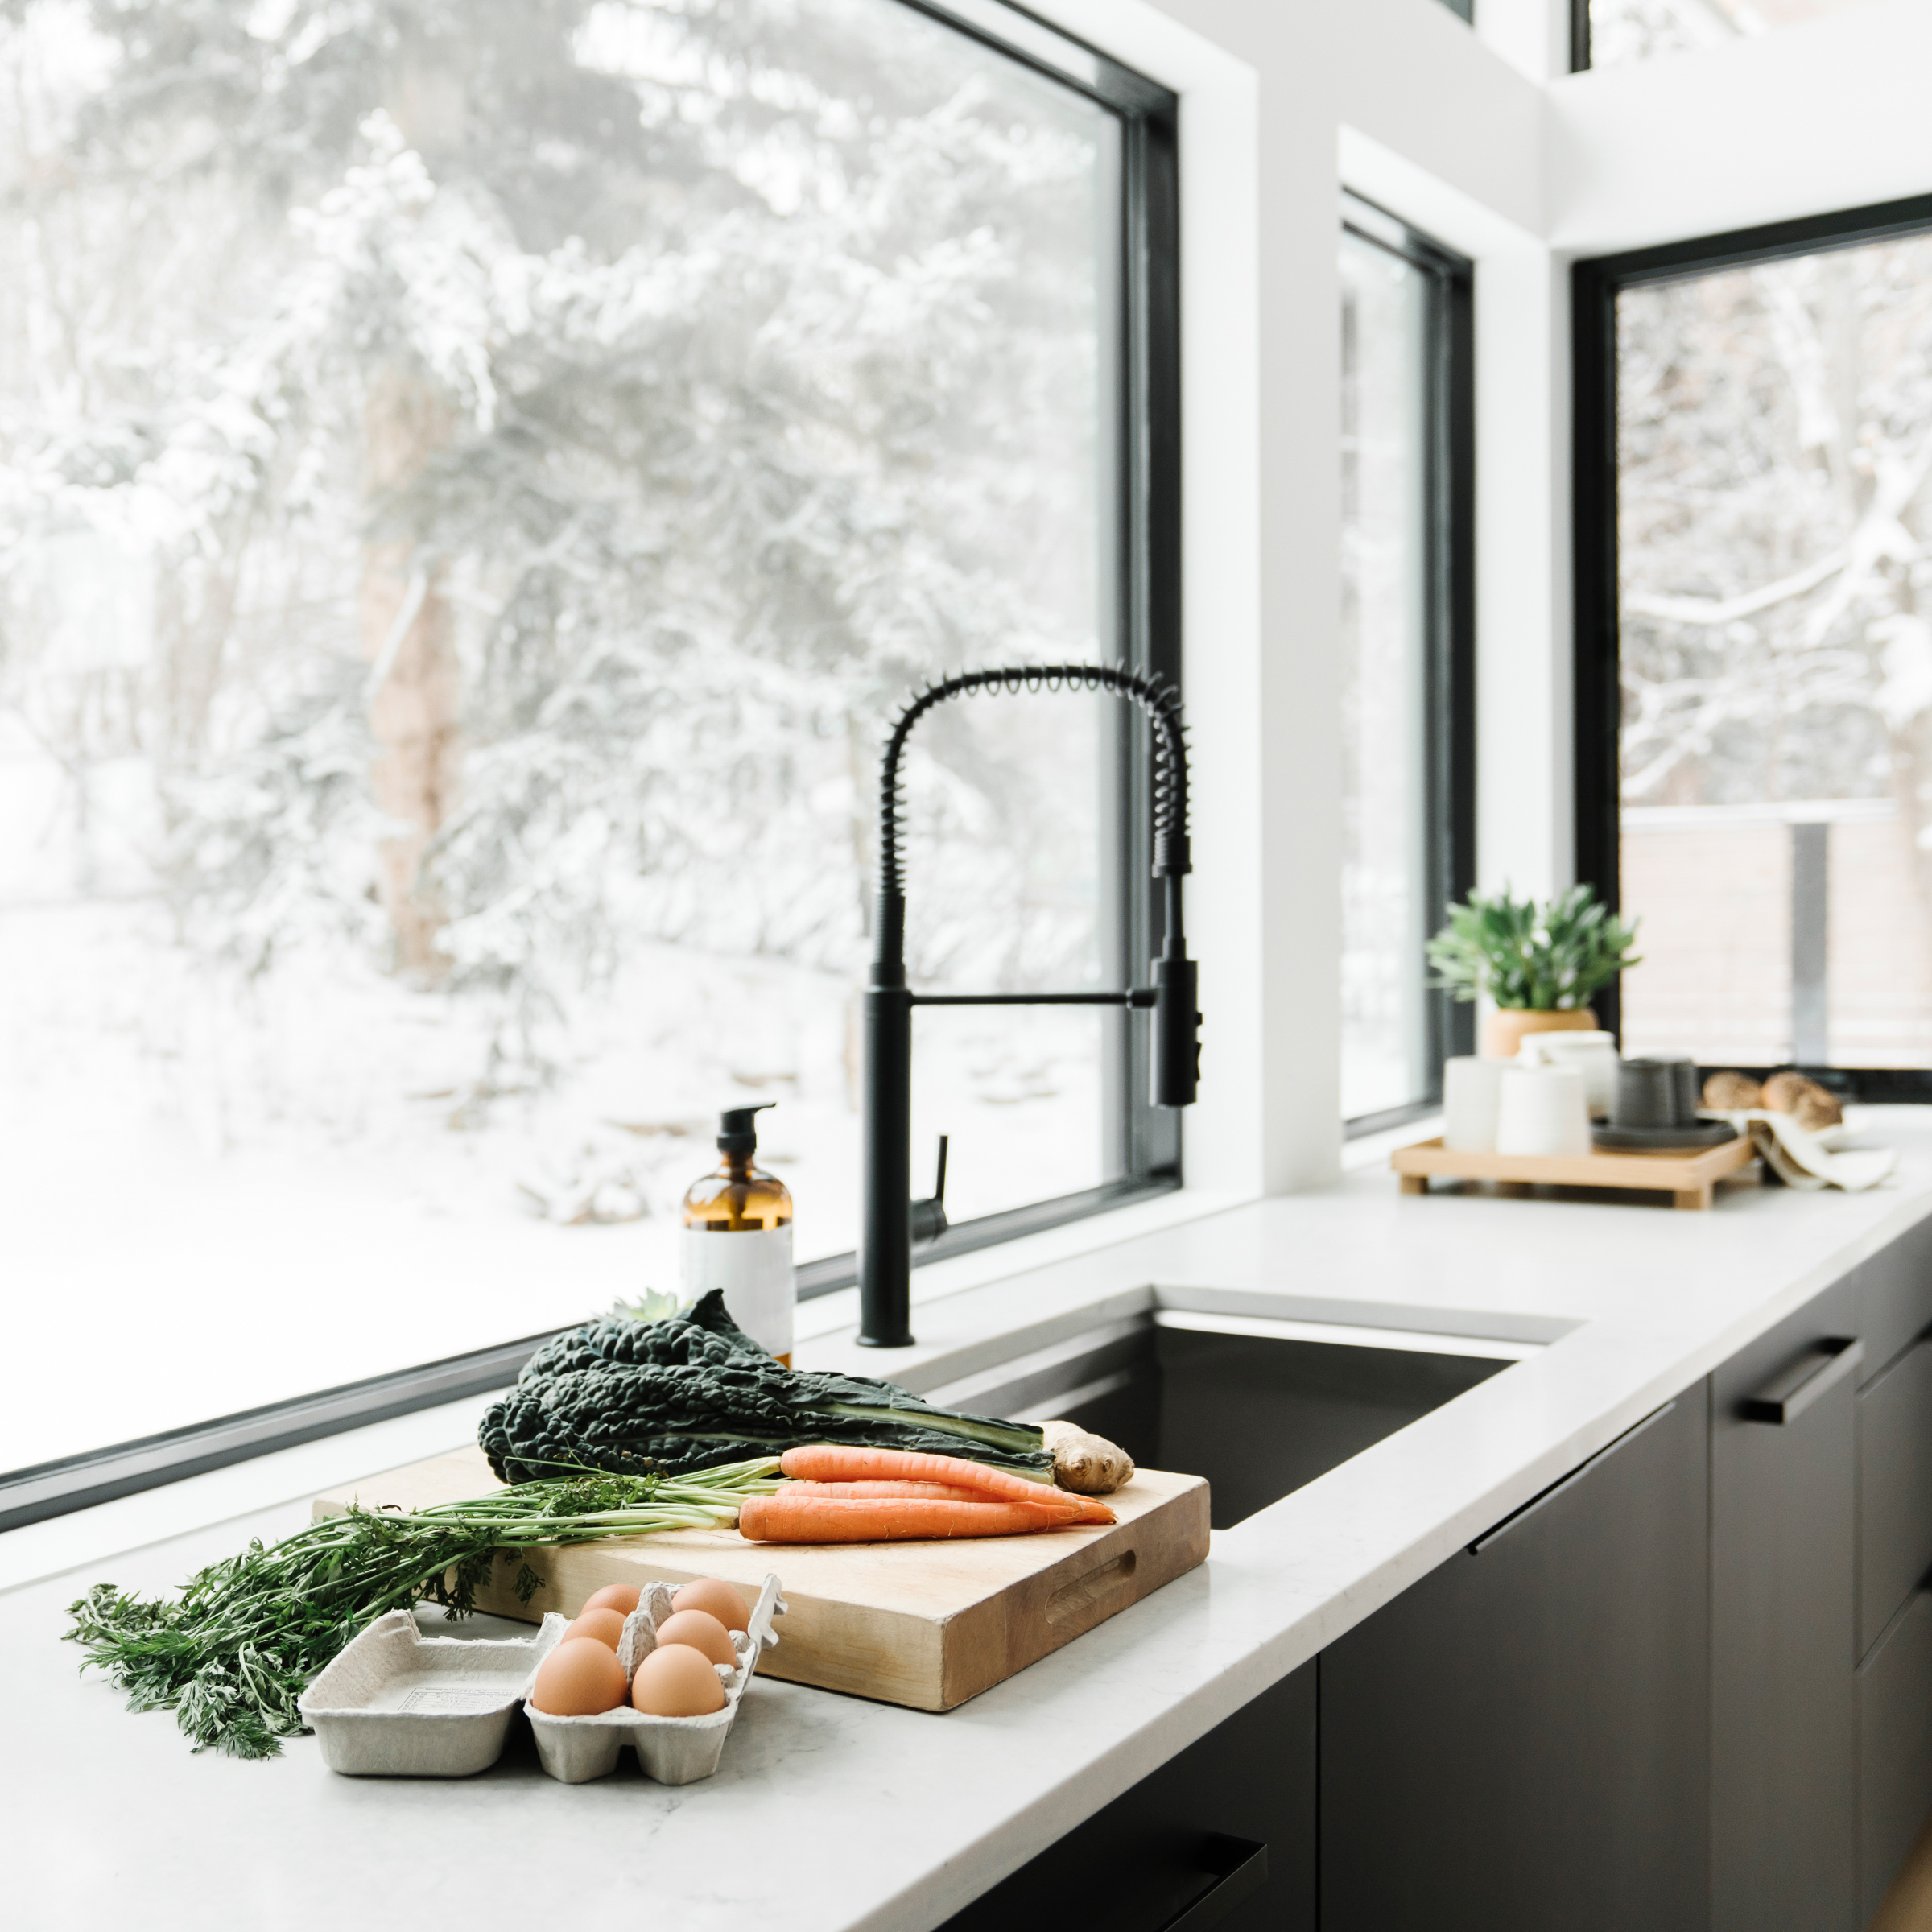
(753, 1267)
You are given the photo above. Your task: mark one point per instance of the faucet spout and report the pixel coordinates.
(886, 1224)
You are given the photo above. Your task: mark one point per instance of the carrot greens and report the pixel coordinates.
(232, 1652)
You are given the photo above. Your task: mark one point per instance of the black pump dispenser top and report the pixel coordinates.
(738, 1128)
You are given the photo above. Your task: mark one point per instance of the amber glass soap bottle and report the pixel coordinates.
(737, 1236)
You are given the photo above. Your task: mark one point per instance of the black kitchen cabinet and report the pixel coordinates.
(1894, 1676)
(1895, 1494)
(1223, 1835)
(1895, 1749)
(1689, 1685)
(1519, 1742)
(1894, 1288)
(1783, 1719)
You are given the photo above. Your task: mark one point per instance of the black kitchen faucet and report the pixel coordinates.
(889, 1212)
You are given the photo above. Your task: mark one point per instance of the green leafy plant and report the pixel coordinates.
(1547, 958)
(230, 1655)
(672, 1396)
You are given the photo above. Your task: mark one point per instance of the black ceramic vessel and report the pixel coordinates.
(1656, 1110)
(1646, 1095)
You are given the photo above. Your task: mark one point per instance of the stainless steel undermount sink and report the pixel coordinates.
(1258, 1407)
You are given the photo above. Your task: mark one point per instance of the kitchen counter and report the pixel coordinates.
(831, 1812)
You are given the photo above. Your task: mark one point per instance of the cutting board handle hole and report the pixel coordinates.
(1077, 1598)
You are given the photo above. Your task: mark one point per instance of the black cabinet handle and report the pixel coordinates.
(1787, 1398)
(1239, 1867)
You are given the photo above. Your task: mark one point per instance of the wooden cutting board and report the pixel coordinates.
(926, 1624)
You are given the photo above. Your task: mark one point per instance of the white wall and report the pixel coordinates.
(1485, 141)
(1834, 114)
(1402, 100)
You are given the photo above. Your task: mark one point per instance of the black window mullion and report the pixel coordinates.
(1596, 757)
(1151, 552)
(1022, 36)
(1451, 737)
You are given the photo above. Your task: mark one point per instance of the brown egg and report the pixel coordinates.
(676, 1680)
(606, 1625)
(579, 1678)
(702, 1631)
(620, 1597)
(719, 1600)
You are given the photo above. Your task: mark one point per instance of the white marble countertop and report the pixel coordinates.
(831, 1812)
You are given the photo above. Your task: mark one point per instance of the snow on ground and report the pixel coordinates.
(221, 1195)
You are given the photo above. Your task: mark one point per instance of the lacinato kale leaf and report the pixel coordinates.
(684, 1393)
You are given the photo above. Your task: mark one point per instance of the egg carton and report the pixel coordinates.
(397, 1702)
(673, 1750)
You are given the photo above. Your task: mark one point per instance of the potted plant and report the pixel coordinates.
(1539, 963)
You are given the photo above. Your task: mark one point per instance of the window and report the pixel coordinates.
(1608, 32)
(472, 494)
(1407, 735)
(1755, 736)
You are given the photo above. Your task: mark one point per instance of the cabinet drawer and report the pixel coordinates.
(1895, 1750)
(1223, 1835)
(1895, 1489)
(1784, 1628)
(1895, 1287)
(1520, 1741)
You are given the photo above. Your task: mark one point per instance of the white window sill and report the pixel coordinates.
(85, 1536)
(1373, 1149)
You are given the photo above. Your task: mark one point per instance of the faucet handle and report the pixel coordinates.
(1174, 1039)
(929, 1216)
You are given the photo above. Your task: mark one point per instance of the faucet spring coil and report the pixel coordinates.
(1158, 700)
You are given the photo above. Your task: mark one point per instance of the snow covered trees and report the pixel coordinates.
(547, 436)
(1775, 542)
(475, 477)
(1775, 453)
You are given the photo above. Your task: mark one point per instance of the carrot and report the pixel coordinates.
(817, 1519)
(1061, 1508)
(834, 1462)
(931, 1492)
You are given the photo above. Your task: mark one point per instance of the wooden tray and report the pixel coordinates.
(1688, 1179)
(926, 1624)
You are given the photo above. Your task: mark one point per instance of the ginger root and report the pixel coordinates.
(1088, 1465)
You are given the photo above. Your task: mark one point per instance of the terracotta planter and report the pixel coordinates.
(1502, 1031)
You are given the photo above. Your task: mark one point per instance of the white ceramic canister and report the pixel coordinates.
(1543, 1110)
(1470, 1086)
(1593, 1054)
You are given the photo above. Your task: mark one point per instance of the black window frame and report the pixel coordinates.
(1594, 283)
(1144, 1143)
(1449, 648)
